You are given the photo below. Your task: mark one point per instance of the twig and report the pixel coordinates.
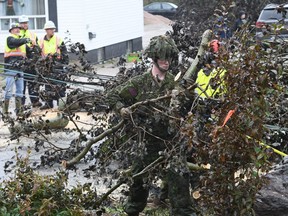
(105, 196)
(191, 166)
(113, 129)
(122, 181)
(50, 143)
(142, 172)
(91, 142)
(162, 112)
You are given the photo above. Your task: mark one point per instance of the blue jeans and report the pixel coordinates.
(11, 79)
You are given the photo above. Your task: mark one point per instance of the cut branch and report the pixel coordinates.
(206, 37)
(91, 142)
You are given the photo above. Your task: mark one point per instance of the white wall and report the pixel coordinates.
(113, 21)
(71, 17)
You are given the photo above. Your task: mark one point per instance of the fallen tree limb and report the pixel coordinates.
(191, 167)
(107, 132)
(124, 179)
(91, 142)
(59, 121)
(206, 37)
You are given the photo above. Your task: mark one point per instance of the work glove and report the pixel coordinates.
(174, 102)
(28, 40)
(125, 113)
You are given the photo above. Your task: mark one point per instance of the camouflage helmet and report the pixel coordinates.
(161, 47)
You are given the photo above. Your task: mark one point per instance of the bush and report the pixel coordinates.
(29, 193)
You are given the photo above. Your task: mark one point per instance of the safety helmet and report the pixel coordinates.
(14, 25)
(161, 47)
(23, 19)
(49, 25)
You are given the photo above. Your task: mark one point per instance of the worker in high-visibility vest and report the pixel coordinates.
(52, 44)
(210, 82)
(32, 90)
(15, 51)
(210, 79)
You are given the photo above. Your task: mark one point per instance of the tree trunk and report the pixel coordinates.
(59, 121)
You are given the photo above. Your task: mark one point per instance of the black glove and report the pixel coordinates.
(28, 40)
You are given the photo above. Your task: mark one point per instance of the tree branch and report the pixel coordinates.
(91, 142)
(206, 37)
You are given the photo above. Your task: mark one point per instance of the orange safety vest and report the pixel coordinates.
(50, 46)
(19, 51)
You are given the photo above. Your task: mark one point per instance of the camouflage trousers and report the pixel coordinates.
(178, 187)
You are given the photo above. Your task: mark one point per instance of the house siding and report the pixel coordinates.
(118, 25)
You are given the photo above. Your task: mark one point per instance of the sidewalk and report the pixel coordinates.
(150, 30)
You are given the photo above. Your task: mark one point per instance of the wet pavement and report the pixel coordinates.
(24, 145)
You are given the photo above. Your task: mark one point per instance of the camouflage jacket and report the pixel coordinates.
(139, 88)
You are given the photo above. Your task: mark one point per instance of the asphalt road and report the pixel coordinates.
(152, 30)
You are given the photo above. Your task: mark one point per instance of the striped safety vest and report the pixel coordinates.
(19, 51)
(50, 46)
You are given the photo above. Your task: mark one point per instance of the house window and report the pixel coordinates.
(10, 10)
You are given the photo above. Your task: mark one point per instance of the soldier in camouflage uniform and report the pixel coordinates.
(152, 84)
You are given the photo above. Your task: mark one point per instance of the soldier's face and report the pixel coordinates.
(163, 64)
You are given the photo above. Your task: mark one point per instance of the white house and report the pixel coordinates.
(107, 28)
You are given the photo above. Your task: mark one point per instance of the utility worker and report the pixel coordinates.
(51, 45)
(209, 79)
(152, 84)
(26, 33)
(15, 50)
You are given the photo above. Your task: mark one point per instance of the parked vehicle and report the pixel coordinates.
(165, 9)
(272, 23)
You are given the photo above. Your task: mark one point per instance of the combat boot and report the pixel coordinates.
(19, 107)
(5, 107)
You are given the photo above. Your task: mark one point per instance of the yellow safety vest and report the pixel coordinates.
(50, 46)
(28, 34)
(19, 51)
(203, 81)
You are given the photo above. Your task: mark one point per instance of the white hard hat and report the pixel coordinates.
(23, 19)
(49, 25)
(14, 25)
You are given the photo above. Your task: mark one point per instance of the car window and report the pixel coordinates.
(167, 6)
(154, 7)
(269, 14)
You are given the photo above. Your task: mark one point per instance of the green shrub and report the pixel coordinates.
(29, 193)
